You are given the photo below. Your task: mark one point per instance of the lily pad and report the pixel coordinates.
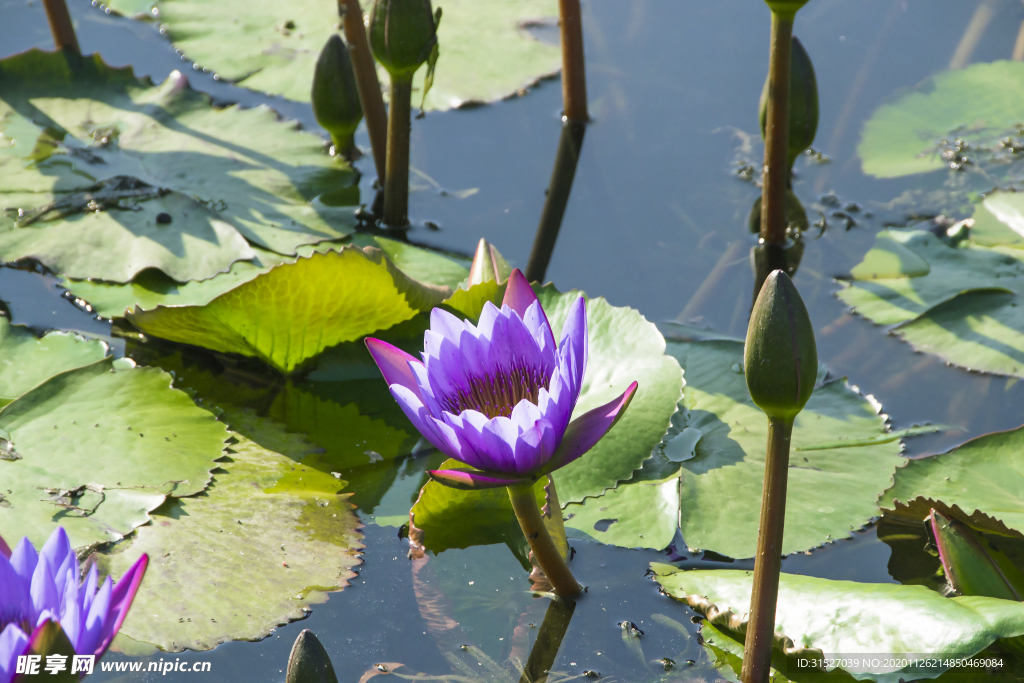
(286, 528)
(979, 105)
(111, 175)
(291, 313)
(487, 52)
(958, 300)
(97, 448)
(26, 360)
(844, 618)
(152, 288)
(623, 347)
(843, 458)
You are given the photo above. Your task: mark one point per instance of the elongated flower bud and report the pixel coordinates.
(402, 35)
(785, 7)
(973, 566)
(803, 102)
(335, 94)
(309, 662)
(780, 357)
(487, 265)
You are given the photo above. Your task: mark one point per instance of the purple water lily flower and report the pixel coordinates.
(498, 396)
(37, 589)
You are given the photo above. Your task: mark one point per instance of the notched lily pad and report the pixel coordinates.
(107, 175)
(287, 531)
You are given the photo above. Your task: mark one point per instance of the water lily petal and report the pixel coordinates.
(534, 447)
(24, 559)
(485, 443)
(447, 325)
(572, 349)
(15, 602)
(474, 481)
(393, 363)
(44, 591)
(92, 627)
(121, 600)
(518, 293)
(414, 409)
(58, 554)
(537, 322)
(588, 428)
(5, 550)
(13, 642)
(88, 592)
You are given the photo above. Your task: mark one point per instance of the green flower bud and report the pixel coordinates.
(803, 102)
(487, 265)
(780, 358)
(402, 35)
(785, 7)
(335, 94)
(308, 662)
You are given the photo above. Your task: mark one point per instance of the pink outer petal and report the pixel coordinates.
(394, 364)
(473, 481)
(586, 430)
(121, 600)
(5, 549)
(518, 293)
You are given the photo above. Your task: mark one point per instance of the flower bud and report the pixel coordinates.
(335, 94)
(488, 265)
(803, 102)
(402, 35)
(973, 566)
(785, 7)
(309, 662)
(780, 358)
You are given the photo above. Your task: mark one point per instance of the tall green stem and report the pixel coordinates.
(524, 503)
(574, 71)
(776, 138)
(757, 649)
(396, 182)
(365, 70)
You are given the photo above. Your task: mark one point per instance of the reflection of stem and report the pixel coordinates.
(396, 182)
(549, 639)
(980, 20)
(712, 283)
(366, 80)
(569, 145)
(574, 71)
(766, 258)
(1018, 47)
(524, 502)
(757, 650)
(60, 24)
(776, 139)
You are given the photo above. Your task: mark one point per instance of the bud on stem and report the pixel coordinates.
(335, 95)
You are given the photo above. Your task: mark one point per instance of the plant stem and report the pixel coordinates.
(396, 180)
(365, 69)
(549, 639)
(60, 25)
(566, 158)
(551, 563)
(574, 70)
(757, 649)
(776, 140)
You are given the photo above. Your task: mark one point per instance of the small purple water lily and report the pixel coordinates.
(498, 396)
(40, 589)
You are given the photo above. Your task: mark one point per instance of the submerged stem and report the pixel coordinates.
(396, 182)
(757, 649)
(776, 134)
(532, 523)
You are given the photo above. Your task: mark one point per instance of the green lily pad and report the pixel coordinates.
(486, 52)
(97, 448)
(623, 347)
(842, 618)
(843, 457)
(979, 104)
(27, 360)
(291, 313)
(151, 288)
(97, 161)
(286, 530)
(958, 300)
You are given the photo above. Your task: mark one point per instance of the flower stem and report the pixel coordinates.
(757, 649)
(776, 137)
(549, 639)
(365, 69)
(574, 71)
(551, 563)
(60, 25)
(396, 181)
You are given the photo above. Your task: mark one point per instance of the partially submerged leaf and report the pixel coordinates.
(100, 447)
(488, 52)
(26, 360)
(973, 566)
(147, 176)
(252, 552)
(818, 617)
(291, 313)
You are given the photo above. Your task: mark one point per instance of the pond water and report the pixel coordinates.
(657, 221)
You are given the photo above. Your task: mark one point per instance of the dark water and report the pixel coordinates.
(657, 208)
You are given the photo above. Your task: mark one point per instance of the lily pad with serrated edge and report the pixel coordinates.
(111, 175)
(27, 360)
